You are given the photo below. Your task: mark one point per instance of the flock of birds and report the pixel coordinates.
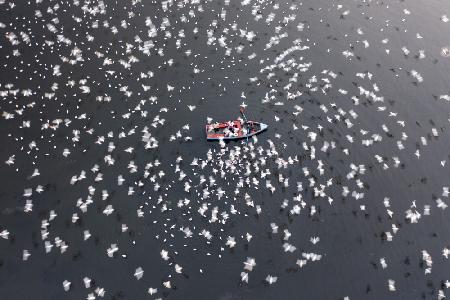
(100, 126)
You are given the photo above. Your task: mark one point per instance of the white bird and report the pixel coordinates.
(66, 285)
(4, 234)
(394, 228)
(108, 210)
(86, 234)
(271, 279)
(111, 250)
(388, 236)
(87, 282)
(139, 273)
(35, 173)
(288, 247)
(391, 284)
(274, 227)
(178, 268)
(248, 236)
(231, 242)
(48, 247)
(287, 235)
(25, 255)
(301, 262)
(244, 277)
(164, 254)
(315, 240)
(249, 264)
(383, 263)
(100, 291)
(10, 160)
(441, 204)
(75, 218)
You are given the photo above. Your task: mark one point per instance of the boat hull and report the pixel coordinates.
(211, 136)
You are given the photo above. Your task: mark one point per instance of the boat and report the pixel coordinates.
(234, 130)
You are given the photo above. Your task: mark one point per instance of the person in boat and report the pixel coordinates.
(244, 131)
(247, 127)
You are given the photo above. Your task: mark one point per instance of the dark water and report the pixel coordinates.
(352, 240)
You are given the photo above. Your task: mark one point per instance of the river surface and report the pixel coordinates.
(356, 96)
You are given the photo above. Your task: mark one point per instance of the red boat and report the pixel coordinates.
(233, 130)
